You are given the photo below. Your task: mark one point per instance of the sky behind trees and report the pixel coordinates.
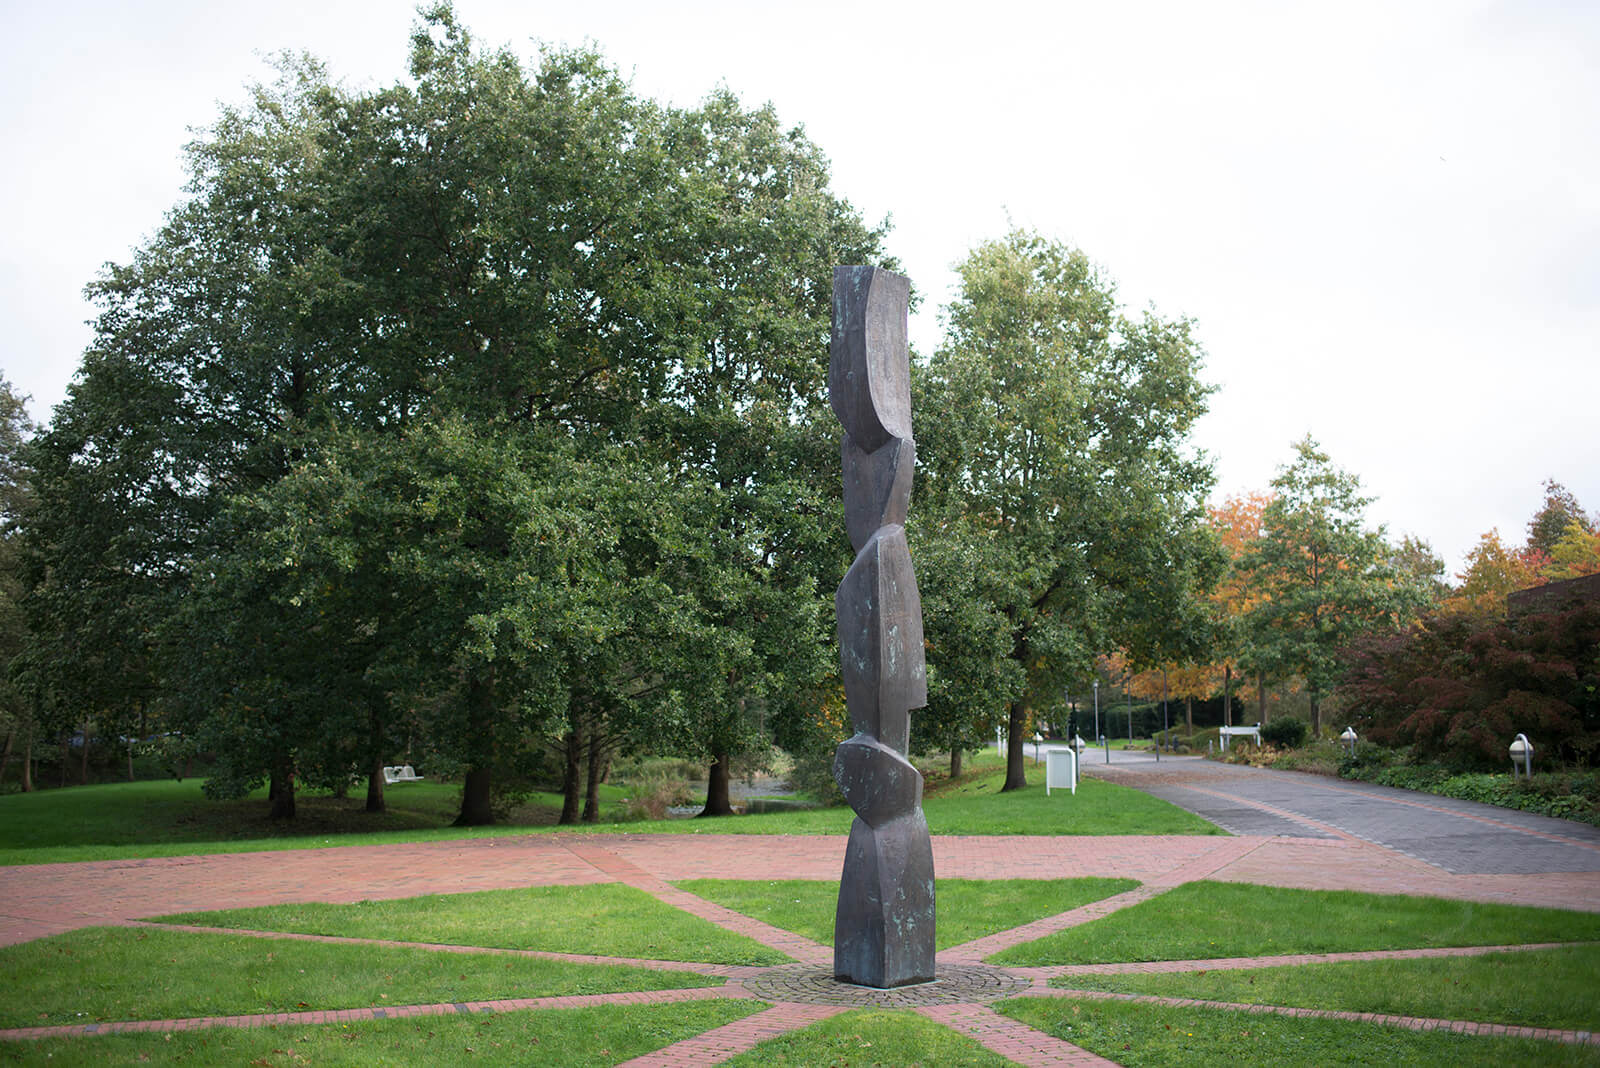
(1382, 216)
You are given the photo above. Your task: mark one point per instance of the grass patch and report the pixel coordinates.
(120, 973)
(975, 805)
(1150, 1035)
(607, 919)
(154, 819)
(968, 908)
(562, 1038)
(166, 818)
(871, 1037)
(1211, 919)
(1547, 988)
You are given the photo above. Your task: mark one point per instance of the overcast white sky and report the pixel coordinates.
(1384, 216)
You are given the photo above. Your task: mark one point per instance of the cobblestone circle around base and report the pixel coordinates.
(956, 984)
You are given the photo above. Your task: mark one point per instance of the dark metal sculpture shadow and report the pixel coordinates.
(883, 931)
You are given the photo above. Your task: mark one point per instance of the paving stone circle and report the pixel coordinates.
(954, 984)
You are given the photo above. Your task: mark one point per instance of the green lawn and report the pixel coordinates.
(121, 973)
(967, 908)
(1544, 988)
(560, 1038)
(148, 819)
(871, 1037)
(1146, 1036)
(1209, 919)
(607, 919)
(144, 973)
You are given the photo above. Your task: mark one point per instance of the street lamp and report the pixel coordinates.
(1166, 725)
(1097, 708)
(1038, 740)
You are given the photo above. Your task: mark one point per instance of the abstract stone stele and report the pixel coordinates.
(883, 931)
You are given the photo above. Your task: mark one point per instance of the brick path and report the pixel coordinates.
(45, 899)
(1009, 1038)
(1410, 1023)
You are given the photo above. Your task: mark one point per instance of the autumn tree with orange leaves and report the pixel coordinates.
(1236, 522)
(1321, 576)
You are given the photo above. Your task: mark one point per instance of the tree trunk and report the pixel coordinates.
(955, 762)
(476, 810)
(1261, 698)
(27, 763)
(281, 791)
(375, 799)
(376, 802)
(1316, 714)
(1016, 770)
(130, 759)
(572, 765)
(591, 794)
(1227, 695)
(717, 801)
(1188, 714)
(83, 760)
(5, 760)
(66, 759)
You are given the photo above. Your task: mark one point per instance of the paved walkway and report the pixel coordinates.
(1315, 836)
(1460, 837)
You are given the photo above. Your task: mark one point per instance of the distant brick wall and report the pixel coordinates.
(1553, 595)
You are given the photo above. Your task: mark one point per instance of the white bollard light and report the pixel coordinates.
(1522, 750)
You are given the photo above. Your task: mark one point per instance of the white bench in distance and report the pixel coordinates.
(1237, 732)
(400, 773)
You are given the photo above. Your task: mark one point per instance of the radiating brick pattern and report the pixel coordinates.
(1410, 1023)
(1010, 1039)
(732, 1039)
(43, 899)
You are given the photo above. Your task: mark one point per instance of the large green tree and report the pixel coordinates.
(1322, 577)
(15, 488)
(534, 254)
(1053, 429)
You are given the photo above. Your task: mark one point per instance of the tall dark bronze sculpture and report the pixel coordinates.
(883, 931)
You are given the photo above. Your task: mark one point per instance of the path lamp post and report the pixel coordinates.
(1522, 749)
(1166, 726)
(1038, 740)
(1130, 709)
(1097, 708)
(1349, 740)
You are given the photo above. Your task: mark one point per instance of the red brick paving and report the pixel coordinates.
(732, 1039)
(43, 899)
(386, 1012)
(1410, 1023)
(721, 971)
(796, 946)
(1010, 1038)
(1042, 975)
(979, 948)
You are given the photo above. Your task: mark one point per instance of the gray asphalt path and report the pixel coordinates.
(1462, 837)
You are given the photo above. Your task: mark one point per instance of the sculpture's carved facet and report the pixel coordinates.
(883, 932)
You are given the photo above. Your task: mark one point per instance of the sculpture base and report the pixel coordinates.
(883, 931)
